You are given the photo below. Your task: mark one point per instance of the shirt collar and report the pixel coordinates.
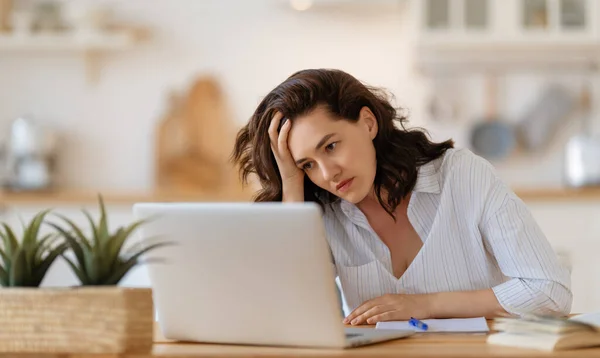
(428, 181)
(428, 178)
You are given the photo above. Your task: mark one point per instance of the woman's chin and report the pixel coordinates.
(353, 197)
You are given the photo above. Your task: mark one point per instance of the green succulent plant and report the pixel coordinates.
(25, 262)
(99, 257)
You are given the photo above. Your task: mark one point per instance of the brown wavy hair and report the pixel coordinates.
(399, 151)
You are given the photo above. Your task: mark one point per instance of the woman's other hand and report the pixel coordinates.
(390, 307)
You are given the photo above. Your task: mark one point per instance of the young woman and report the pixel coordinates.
(416, 228)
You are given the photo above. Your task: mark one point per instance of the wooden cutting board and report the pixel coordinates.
(194, 141)
(5, 11)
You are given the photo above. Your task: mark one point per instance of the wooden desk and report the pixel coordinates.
(419, 345)
(75, 196)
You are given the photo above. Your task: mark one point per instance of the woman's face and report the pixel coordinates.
(337, 155)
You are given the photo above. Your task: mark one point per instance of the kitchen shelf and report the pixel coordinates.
(65, 42)
(75, 197)
(468, 56)
(90, 46)
(590, 194)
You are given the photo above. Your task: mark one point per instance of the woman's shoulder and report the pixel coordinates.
(462, 163)
(467, 175)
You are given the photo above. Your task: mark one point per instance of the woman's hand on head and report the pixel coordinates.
(292, 177)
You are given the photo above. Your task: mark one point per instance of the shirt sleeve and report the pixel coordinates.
(537, 282)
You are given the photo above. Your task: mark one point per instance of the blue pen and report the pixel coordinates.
(418, 324)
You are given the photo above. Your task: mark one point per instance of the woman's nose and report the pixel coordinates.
(331, 172)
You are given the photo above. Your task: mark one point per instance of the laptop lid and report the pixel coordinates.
(247, 273)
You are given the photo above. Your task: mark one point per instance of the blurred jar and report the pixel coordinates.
(30, 156)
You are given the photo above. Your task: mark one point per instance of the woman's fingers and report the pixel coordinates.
(282, 145)
(273, 126)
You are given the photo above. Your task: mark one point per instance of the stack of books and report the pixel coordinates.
(547, 333)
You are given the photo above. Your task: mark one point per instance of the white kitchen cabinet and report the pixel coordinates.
(505, 35)
(454, 17)
(573, 229)
(508, 20)
(557, 19)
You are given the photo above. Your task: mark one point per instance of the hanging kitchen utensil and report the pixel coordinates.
(582, 151)
(444, 104)
(492, 137)
(541, 122)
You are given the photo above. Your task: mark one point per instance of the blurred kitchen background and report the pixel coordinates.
(140, 100)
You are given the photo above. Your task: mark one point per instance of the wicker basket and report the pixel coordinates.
(76, 320)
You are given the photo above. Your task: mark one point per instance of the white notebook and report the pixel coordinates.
(469, 325)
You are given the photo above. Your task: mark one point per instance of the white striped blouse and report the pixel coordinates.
(476, 234)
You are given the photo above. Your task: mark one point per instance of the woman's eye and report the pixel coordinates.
(331, 146)
(307, 166)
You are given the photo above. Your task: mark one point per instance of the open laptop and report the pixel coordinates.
(247, 273)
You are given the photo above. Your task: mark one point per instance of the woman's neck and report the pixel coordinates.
(371, 203)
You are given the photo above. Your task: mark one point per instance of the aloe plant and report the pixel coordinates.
(99, 257)
(25, 262)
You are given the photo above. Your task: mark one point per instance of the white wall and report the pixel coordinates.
(250, 45)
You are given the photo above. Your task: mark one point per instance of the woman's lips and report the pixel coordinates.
(345, 185)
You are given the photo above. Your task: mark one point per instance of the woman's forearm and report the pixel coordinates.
(293, 191)
(464, 304)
